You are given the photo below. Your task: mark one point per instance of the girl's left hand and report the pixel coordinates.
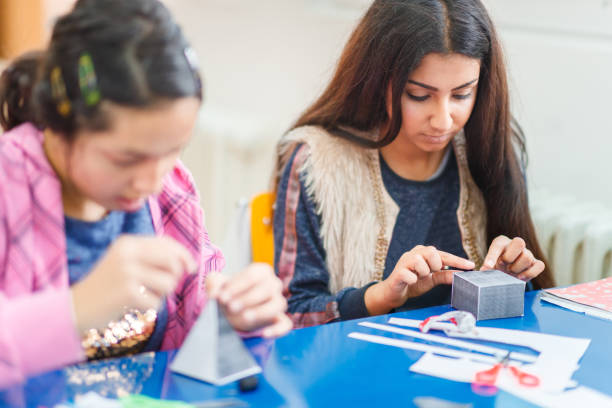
(252, 300)
(512, 256)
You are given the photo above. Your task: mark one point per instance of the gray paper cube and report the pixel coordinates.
(488, 294)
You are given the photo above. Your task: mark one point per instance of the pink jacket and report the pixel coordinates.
(37, 331)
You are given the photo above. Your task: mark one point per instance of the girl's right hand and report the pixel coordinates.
(135, 273)
(417, 272)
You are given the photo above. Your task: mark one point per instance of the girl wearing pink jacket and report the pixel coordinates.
(103, 250)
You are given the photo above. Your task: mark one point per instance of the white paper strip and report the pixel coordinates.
(496, 352)
(422, 347)
(415, 323)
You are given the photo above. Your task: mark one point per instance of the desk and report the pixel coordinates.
(321, 366)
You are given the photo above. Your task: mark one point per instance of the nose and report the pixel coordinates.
(149, 178)
(441, 119)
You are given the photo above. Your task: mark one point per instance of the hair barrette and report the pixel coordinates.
(88, 82)
(192, 60)
(58, 92)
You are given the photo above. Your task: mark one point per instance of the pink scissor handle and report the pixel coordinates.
(488, 377)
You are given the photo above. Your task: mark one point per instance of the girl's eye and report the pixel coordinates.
(124, 163)
(417, 98)
(462, 97)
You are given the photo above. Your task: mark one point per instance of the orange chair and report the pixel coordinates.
(262, 233)
(250, 234)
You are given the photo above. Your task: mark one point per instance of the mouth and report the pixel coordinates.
(130, 204)
(436, 139)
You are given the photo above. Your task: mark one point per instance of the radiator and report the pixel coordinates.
(576, 236)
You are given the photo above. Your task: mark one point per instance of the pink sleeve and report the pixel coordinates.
(37, 333)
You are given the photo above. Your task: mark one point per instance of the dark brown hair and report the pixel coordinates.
(137, 51)
(386, 47)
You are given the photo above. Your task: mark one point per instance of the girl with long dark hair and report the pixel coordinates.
(409, 164)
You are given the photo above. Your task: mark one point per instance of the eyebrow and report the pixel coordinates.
(432, 88)
(139, 155)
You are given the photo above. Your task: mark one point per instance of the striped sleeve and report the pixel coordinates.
(300, 256)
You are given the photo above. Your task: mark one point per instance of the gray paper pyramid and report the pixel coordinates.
(213, 351)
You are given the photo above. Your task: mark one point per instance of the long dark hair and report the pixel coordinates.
(132, 52)
(388, 44)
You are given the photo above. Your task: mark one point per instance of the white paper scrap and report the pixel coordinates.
(463, 370)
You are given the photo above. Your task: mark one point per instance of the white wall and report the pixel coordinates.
(560, 58)
(263, 62)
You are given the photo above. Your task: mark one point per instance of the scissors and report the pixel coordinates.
(489, 377)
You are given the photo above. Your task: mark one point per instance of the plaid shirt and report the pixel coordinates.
(36, 314)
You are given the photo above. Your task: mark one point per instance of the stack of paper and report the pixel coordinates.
(592, 298)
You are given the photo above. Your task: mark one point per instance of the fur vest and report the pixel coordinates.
(358, 214)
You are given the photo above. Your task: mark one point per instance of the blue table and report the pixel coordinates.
(321, 366)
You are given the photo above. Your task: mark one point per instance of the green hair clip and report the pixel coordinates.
(88, 81)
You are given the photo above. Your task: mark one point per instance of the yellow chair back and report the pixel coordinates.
(262, 232)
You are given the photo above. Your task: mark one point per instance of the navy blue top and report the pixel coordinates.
(427, 216)
(86, 243)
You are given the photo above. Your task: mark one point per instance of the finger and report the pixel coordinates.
(535, 269)
(281, 326)
(427, 283)
(261, 315)
(420, 266)
(495, 250)
(165, 253)
(433, 259)
(523, 262)
(144, 299)
(513, 250)
(455, 261)
(257, 294)
(442, 278)
(244, 281)
(401, 278)
(214, 282)
(158, 282)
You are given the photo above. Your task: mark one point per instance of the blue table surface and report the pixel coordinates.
(321, 366)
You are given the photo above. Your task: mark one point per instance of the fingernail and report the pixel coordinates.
(224, 297)
(248, 316)
(235, 306)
